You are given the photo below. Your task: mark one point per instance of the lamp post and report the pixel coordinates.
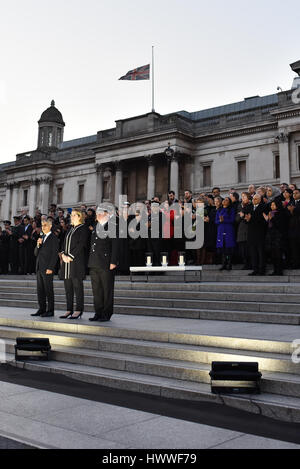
(174, 169)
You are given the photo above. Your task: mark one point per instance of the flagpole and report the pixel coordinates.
(153, 110)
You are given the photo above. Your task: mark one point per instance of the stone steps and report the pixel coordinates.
(228, 302)
(207, 275)
(207, 291)
(268, 361)
(169, 363)
(272, 356)
(248, 286)
(188, 313)
(284, 408)
(164, 368)
(268, 302)
(177, 296)
(272, 382)
(86, 334)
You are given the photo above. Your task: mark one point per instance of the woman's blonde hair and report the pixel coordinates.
(79, 213)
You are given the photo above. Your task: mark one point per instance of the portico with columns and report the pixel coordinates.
(148, 173)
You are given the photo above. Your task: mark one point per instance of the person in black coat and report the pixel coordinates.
(73, 269)
(257, 228)
(35, 234)
(46, 252)
(103, 260)
(137, 242)
(16, 233)
(154, 242)
(244, 208)
(5, 242)
(26, 251)
(210, 230)
(294, 230)
(277, 231)
(90, 222)
(124, 251)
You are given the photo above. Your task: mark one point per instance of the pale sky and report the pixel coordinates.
(207, 53)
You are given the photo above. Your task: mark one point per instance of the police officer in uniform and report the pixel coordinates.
(103, 260)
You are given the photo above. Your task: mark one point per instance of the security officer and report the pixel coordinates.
(103, 260)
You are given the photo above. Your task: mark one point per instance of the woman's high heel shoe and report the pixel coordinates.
(77, 317)
(66, 316)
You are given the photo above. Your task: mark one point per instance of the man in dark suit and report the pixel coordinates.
(257, 227)
(46, 252)
(16, 234)
(25, 248)
(294, 230)
(103, 260)
(5, 241)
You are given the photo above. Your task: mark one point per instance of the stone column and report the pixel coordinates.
(99, 183)
(107, 179)
(285, 172)
(15, 199)
(174, 175)
(151, 178)
(32, 198)
(189, 174)
(44, 192)
(118, 182)
(8, 197)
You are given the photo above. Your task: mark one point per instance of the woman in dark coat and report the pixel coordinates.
(124, 249)
(277, 231)
(74, 264)
(244, 208)
(210, 229)
(288, 201)
(90, 222)
(137, 241)
(206, 253)
(225, 220)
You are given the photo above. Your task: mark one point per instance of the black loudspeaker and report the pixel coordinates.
(31, 344)
(235, 378)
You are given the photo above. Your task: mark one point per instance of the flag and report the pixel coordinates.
(140, 73)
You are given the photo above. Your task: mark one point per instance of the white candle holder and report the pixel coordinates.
(181, 259)
(149, 259)
(164, 259)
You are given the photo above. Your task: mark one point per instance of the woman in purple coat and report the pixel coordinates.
(225, 221)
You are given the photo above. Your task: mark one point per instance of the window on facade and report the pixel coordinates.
(242, 176)
(58, 136)
(59, 195)
(105, 190)
(25, 197)
(207, 176)
(277, 167)
(298, 154)
(125, 185)
(80, 192)
(42, 137)
(50, 137)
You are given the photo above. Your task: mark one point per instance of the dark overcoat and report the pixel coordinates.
(257, 225)
(75, 246)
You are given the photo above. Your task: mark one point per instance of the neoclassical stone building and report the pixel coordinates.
(256, 140)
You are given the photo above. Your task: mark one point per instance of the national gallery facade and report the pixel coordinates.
(256, 140)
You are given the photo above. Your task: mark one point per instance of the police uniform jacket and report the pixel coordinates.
(105, 251)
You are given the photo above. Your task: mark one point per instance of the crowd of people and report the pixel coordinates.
(253, 228)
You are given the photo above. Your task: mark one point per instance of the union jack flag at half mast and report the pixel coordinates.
(140, 73)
